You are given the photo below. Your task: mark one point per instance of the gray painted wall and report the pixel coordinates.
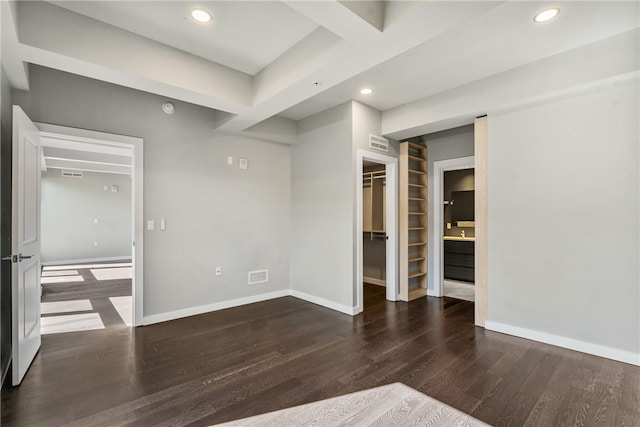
(70, 207)
(322, 205)
(323, 201)
(444, 145)
(366, 121)
(563, 218)
(217, 215)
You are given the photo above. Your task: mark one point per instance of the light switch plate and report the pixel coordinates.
(229, 160)
(244, 163)
(151, 225)
(163, 225)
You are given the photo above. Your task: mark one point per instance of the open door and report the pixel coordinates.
(25, 244)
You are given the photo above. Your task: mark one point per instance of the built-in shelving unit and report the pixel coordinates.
(413, 221)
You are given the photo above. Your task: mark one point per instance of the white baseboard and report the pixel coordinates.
(86, 260)
(193, 311)
(570, 343)
(352, 311)
(432, 293)
(373, 281)
(173, 315)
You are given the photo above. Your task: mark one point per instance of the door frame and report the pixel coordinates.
(439, 168)
(391, 226)
(136, 145)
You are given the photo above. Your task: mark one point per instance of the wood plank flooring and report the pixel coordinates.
(267, 356)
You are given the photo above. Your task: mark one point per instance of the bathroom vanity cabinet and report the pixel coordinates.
(459, 260)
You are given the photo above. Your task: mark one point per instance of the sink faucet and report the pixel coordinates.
(462, 234)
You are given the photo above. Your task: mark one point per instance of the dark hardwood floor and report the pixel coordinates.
(262, 357)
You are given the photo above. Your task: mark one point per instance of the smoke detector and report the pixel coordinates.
(168, 108)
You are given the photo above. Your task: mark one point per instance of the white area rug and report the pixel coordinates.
(390, 405)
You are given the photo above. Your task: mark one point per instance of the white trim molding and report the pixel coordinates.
(352, 311)
(439, 168)
(371, 280)
(391, 226)
(202, 309)
(570, 343)
(135, 146)
(87, 260)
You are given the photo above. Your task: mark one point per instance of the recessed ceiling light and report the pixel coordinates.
(201, 15)
(366, 91)
(546, 15)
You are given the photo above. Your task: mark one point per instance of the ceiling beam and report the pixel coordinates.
(12, 62)
(54, 37)
(337, 17)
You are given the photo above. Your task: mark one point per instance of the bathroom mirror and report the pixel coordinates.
(463, 203)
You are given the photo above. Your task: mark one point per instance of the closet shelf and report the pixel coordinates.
(417, 259)
(417, 147)
(417, 172)
(417, 293)
(418, 274)
(416, 199)
(417, 185)
(417, 244)
(417, 213)
(417, 159)
(417, 228)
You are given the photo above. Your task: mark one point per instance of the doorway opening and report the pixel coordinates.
(374, 237)
(377, 245)
(454, 225)
(86, 235)
(91, 217)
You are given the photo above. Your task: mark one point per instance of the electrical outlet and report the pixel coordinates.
(448, 226)
(218, 271)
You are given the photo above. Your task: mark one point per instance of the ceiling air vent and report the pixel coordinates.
(378, 143)
(71, 173)
(258, 276)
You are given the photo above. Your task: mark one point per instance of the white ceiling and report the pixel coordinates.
(257, 61)
(245, 35)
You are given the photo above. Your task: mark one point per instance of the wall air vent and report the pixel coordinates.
(258, 276)
(378, 143)
(71, 173)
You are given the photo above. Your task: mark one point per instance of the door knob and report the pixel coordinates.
(21, 257)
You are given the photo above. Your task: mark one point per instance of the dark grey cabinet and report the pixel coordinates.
(459, 260)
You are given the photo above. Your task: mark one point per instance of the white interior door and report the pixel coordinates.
(25, 244)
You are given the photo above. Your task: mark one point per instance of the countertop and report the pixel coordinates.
(460, 238)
